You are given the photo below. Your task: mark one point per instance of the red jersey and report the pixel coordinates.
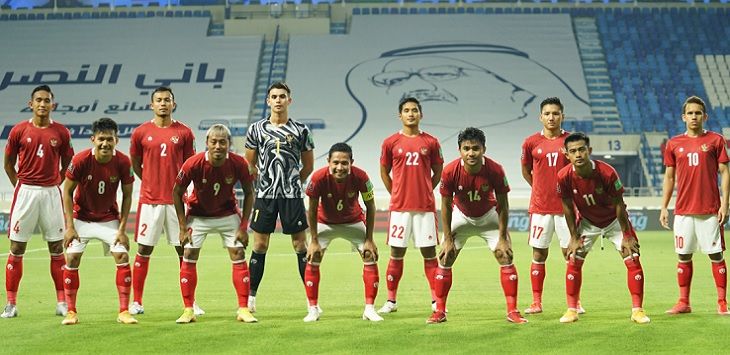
(162, 151)
(696, 161)
(592, 196)
(39, 152)
(213, 194)
(474, 194)
(544, 157)
(411, 159)
(339, 200)
(95, 199)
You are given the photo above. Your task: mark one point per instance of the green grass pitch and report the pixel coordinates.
(476, 322)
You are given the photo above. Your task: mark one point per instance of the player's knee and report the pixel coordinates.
(539, 255)
(55, 247)
(73, 260)
(145, 250)
(237, 254)
(121, 258)
(428, 252)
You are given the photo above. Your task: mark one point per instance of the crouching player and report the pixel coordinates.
(468, 208)
(595, 190)
(212, 208)
(92, 213)
(334, 212)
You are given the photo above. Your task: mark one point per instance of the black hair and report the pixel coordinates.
(472, 134)
(551, 101)
(104, 124)
(577, 136)
(41, 88)
(407, 100)
(163, 89)
(278, 85)
(340, 147)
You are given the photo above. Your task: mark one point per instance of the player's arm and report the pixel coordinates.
(177, 199)
(10, 160)
(629, 244)
(137, 165)
(385, 176)
(370, 252)
(570, 219)
(667, 189)
(527, 174)
(242, 233)
(252, 158)
(65, 160)
(124, 215)
(448, 250)
(69, 186)
(307, 165)
(314, 250)
(437, 169)
(722, 216)
(503, 251)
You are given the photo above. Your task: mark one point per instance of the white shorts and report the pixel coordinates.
(225, 226)
(353, 233)
(544, 226)
(591, 233)
(39, 206)
(698, 233)
(104, 231)
(464, 227)
(417, 226)
(152, 220)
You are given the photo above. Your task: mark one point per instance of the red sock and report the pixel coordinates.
(139, 275)
(188, 282)
(57, 268)
(684, 279)
(442, 285)
(371, 279)
(719, 272)
(13, 274)
(573, 280)
(635, 280)
(509, 285)
(124, 285)
(537, 278)
(241, 282)
(393, 275)
(429, 268)
(311, 283)
(70, 287)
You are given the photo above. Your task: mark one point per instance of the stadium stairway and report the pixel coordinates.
(272, 68)
(603, 106)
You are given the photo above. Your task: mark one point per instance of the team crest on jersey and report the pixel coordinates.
(289, 138)
(149, 138)
(485, 187)
(424, 151)
(28, 140)
(175, 139)
(539, 151)
(113, 179)
(329, 195)
(705, 148)
(229, 180)
(205, 181)
(599, 190)
(89, 178)
(54, 142)
(350, 194)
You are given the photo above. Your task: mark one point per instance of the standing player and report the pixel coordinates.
(695, 158)
(93, 213)
(42, 146)
(158, 149)
(594, 189)
(414, 157)
(543, 155)
(213, 208)
(334, 212)
(468, 208)
(281, 151)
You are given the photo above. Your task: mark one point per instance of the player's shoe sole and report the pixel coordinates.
(244, 315)
(679, 308)
(570, 316)
(639, 316)
(71, 318)
(126, 318)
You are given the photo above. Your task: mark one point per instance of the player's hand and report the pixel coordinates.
(503, 250)
(629, 247)
(574, 247)
(314, 251)
(242, 237)
(722, 215)
(122, 239)
(370, 251)
(186, 236)
(664, 218)
(69, 237)
(448, 250)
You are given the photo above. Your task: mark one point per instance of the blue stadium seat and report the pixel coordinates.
(3, 17)
(22, 17)
(105, 15)
(206, 13)
(355, 10)
(178, 13)
(188, 13)
(113, 14)
(375, 11)
(479, 10)
(403, 11)
(460, 10)
(198, 13)
(366, 11)
(469, 10)
(41, 16)
(169, 13)
(432, 10)
(68, 16)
